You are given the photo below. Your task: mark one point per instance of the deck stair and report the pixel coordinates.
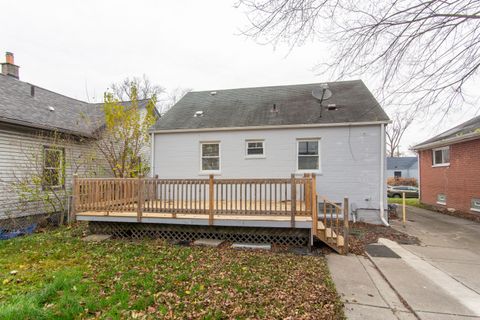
(333, 229)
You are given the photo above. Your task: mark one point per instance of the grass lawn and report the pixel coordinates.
(408, 201)
(56, 275)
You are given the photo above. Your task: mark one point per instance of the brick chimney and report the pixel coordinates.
(9, 68)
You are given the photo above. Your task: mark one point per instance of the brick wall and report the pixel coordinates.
(460, 181)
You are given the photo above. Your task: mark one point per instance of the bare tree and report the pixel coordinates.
(145, 89)
(171, 98)
(424, 52)
(395, 131)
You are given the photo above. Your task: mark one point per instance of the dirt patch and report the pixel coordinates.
(362, 234)
(458, 214)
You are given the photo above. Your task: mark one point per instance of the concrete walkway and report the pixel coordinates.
(364, 291)
(440, 279)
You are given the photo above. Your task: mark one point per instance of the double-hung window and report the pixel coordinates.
(308, 155)
(441, 156)
(53, 168)
(210, 157)
(255, 149)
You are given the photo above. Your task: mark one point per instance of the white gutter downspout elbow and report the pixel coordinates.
(382, 176)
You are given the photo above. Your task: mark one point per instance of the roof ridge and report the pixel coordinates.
(48, 90)
(276, 86)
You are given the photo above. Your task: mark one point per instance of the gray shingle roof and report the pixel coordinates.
(253, 107)
(402, 163)
(18, 106)
(466, 130)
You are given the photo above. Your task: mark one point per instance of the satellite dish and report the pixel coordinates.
(322, 92)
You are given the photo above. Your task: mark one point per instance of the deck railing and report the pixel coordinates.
(292, 197)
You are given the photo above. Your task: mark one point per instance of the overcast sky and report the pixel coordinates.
(78, 48)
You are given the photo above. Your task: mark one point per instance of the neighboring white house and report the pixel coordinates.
(30, 120)
(402, 167)
(272, 132)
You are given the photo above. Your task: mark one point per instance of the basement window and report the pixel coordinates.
(475, 204)
(441, 156)
(441, 199)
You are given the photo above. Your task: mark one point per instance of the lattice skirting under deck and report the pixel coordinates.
(282, 236)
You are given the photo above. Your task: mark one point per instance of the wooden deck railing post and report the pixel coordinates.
(210, 200)
(293, 201)
(73, 205)
(345, 225)
(313, 203)
(140, 201)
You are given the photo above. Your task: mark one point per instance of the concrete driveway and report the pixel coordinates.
(439, 279)
(450, 244)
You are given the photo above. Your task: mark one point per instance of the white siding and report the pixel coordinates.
(349, 156)
(19, 147)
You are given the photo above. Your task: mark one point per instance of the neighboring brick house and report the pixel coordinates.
(450, 168)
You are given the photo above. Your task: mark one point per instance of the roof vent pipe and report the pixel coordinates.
(32, 90)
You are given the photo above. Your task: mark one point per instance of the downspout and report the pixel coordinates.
(152, 156)
(382, 175)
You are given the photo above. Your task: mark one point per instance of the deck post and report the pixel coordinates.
(293, 200)
(73, 205)
(210, 200)
(140, 200)
(345, 225)
(313, 203)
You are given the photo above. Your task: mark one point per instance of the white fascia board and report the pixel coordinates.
(446, 142)
(288, 126)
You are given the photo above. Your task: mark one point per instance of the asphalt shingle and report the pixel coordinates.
(294, 104)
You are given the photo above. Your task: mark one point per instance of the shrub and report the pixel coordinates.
(402, 182)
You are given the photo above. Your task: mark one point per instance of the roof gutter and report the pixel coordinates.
(286, 126)
(441, 143)
(42, 127)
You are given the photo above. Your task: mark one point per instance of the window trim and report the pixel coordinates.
(318, 170)
(443, 203)
(472, 208)
(255, 156)
(60, 169)
(208, 172)
(442, 164)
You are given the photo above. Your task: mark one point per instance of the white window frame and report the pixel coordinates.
(59, 169)
(255, 156)
(441, 164)
(443, 203)
(318, 170)
(476, 200)
(207, 172)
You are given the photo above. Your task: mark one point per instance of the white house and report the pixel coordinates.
(272, 132)
(31, 120)
(402, 167)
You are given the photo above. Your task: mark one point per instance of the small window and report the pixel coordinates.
(53, 168)
(210, 156)
(255, 149)
(441, 199)
(397, 174)
(441, 156)
(308, 155)
(475, 204)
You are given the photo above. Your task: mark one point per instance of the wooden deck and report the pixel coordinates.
(270, 203)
